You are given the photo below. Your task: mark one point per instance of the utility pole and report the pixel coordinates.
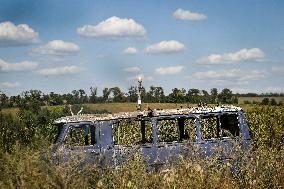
(139, 94)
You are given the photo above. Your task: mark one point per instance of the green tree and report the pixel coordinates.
(132, 94)
(177, 95)
(205, 97)
(225, 96)
(31, 100)
(155, 94)
(4, 100)
(83, 96)
(193, 95)
(150, 94)
(14, 101)
(76, 97)
(118, 95)
(93, 96)
(159, 94)
(214, 95)
(106, 93)
(55, 99)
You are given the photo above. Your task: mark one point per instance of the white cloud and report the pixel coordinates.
(253, 54)
(113, 27)
(133, 70)
(237, 76)
(187, 15)
(169, 70)
(21, 66)
(57, 47)
(10, 84)
(59, 71)
(12, 35)
(171, 46)
(130, 50)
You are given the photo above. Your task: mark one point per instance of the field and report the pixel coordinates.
(26, 137)
(242, 100)
(119, 107)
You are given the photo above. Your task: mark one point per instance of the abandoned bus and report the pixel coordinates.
(159, 136)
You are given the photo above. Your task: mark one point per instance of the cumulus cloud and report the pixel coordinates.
(113, 27)
(187, 15)
(59, 71)
(133, 69)
(236, 76)
(253, 54)
(57, 48)
(21, 66)
(10, 84)
(130, 50)
(12, 35)
(169, 70)
(171, 46)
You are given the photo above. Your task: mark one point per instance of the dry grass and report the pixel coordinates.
(262, 168)
(241, 100)
(28, 169)
(12, 111)
(118, 107)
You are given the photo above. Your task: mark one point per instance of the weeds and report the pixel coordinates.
(23, 165)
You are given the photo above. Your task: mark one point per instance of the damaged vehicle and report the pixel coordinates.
(159, 136)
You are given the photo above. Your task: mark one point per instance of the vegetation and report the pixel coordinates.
(26, 137)
(115, 94)
(264, 100)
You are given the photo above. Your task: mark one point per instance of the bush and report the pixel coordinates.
(247, 102)
(273, 102)
(265, 101)
(266, 126)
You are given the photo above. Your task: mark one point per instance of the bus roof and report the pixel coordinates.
(145, 113)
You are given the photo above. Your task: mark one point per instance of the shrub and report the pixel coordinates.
(265, 101)
(247, 102)
(273, 102)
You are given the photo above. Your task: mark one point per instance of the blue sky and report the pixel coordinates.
(61, 45)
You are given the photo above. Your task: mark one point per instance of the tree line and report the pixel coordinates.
(154, 94)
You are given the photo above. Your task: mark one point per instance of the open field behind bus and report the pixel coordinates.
(259, 99)
(119, 107)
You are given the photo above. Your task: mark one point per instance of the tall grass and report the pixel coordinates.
(26, 167)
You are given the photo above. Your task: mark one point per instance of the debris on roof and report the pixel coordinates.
(145, 113)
